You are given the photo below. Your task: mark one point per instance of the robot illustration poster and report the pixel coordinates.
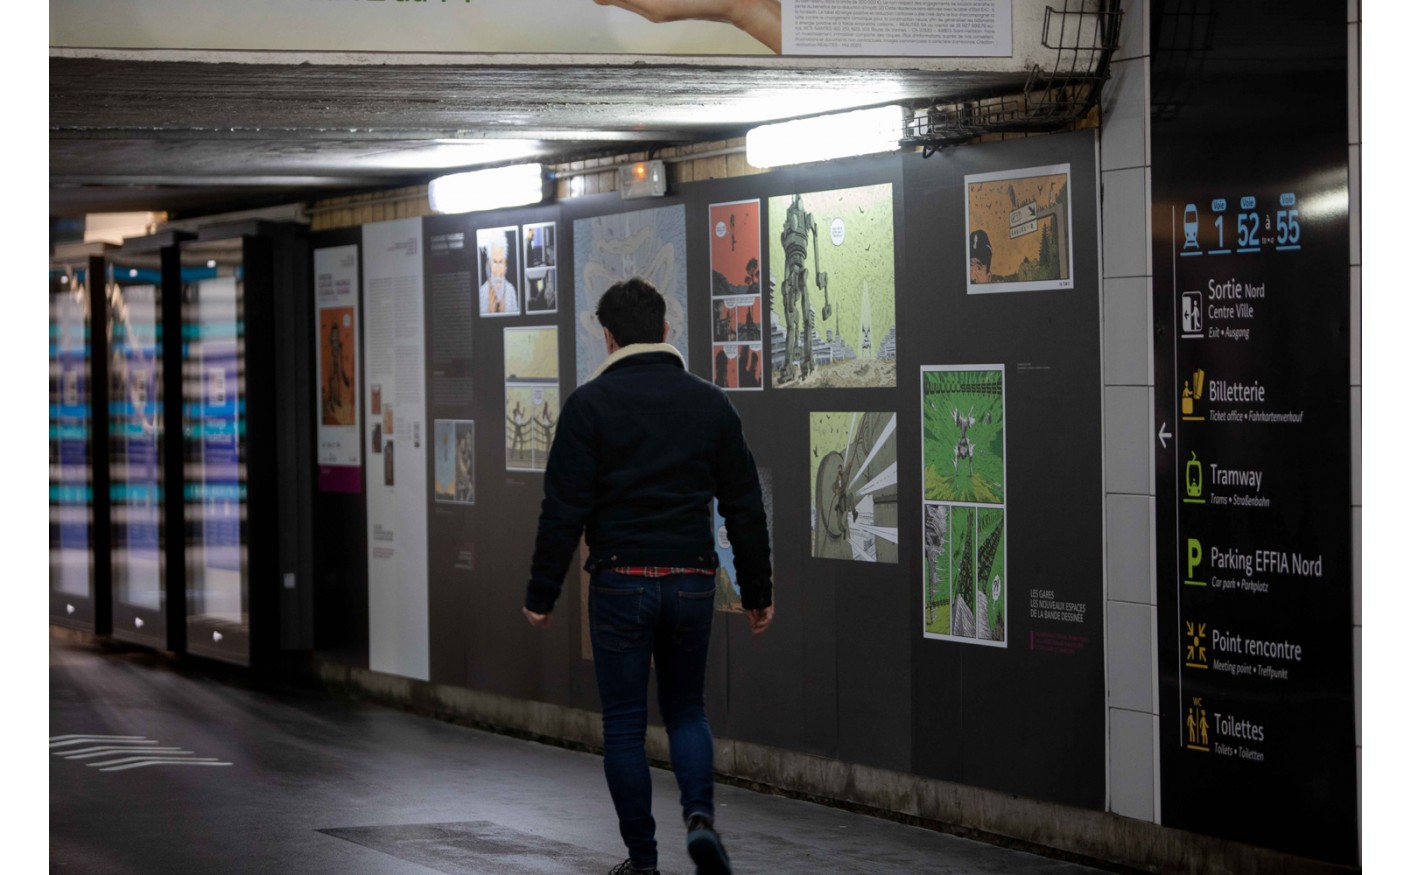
(964, 582)
(832, 289)
(531, 400)
(608, 249)
(853, 472)
(1018, 230)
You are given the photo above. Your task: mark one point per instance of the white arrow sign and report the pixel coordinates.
(69, 608)
(216, 636)
(138, 622)
(1163, 434)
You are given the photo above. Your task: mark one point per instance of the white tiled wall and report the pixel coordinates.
(1128, 439)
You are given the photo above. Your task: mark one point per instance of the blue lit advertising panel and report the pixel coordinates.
(70, 474)
(135, 424)
(214, 427)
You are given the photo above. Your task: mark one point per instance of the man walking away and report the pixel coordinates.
(641, 450)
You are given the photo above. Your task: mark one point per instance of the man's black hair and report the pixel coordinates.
(633, 311)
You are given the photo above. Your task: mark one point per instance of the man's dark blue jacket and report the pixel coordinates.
(640, 451)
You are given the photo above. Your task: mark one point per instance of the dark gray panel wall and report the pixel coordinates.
(1022, 719)
(845, 671)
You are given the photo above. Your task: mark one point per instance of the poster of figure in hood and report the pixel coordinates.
(1019, 230)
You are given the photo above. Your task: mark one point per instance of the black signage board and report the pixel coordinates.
(1250, 255)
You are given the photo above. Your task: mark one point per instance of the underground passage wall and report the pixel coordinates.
(939, 484)
(931, 452)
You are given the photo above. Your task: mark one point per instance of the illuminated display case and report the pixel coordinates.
(240, 513)
(140, 303)
(79, 583)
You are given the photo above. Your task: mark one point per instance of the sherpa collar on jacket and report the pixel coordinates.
(632, 349)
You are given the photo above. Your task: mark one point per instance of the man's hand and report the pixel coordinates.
(760, 618)
(542, 621)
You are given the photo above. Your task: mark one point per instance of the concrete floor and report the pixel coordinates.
(296, 780)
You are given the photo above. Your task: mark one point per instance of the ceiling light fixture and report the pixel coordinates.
(824, 137)
(513, 186)
(642, 179)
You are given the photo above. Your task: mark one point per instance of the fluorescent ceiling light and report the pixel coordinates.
(824, 137)
(444, 154)
(512, 186)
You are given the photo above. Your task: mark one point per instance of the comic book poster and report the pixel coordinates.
(541, 268)
(832, 289)
(455, 461)
(608, 249)
(853, 472)
(500, 293)
(1018, 230)
(965, 550)
(531, 401)
(727, 589)
(736, 297)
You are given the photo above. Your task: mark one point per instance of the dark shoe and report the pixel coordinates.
(625, 868)
(705, 847)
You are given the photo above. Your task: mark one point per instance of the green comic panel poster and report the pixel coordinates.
(964, 584)
(832, 282)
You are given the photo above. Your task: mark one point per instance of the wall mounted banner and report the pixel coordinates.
(953, 28)
(396, 434)
(881, 27)
(964, 470)
(1019, 230)
(335, 301)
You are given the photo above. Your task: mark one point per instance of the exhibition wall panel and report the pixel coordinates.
(913, 345)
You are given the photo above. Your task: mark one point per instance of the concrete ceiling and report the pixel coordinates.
(220, 131)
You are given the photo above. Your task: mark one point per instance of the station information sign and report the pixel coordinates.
(1250, 257)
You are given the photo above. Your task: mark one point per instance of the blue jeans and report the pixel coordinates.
(633, 619)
